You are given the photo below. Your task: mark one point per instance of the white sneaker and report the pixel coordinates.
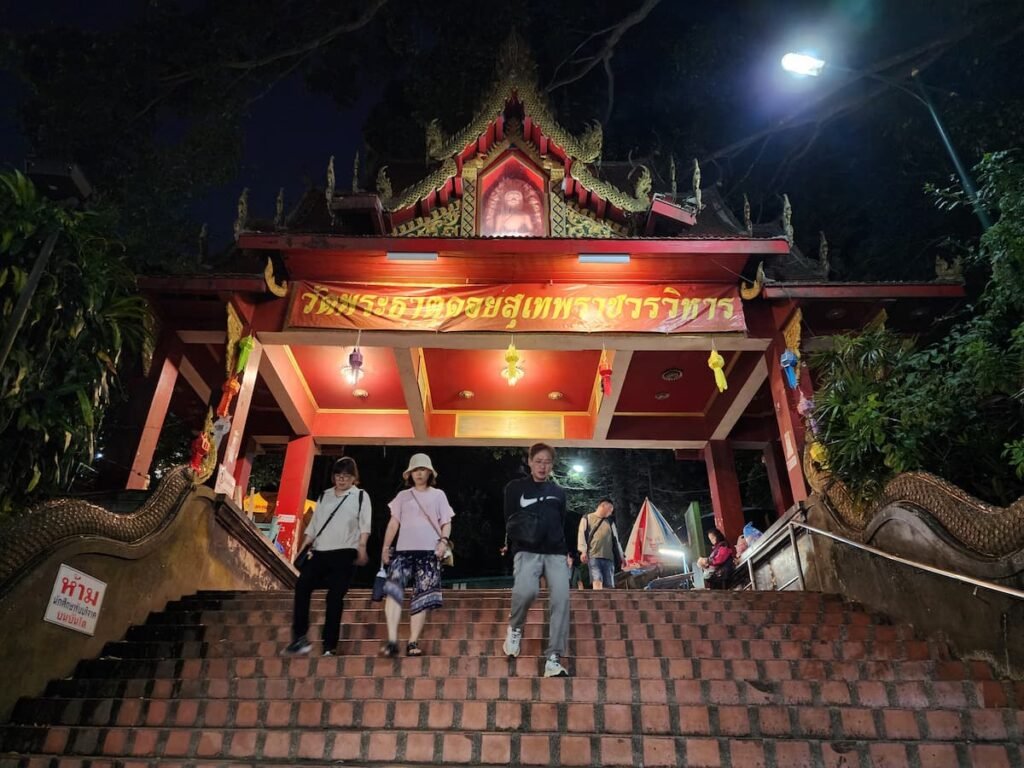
(553, 667)
(512, 639)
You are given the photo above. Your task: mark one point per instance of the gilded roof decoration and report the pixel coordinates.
(516, 74)
(441, 222)
(416, 192)
(242, 219)
(639, 202)
(583, 223)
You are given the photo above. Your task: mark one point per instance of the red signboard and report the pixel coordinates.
(519, 307)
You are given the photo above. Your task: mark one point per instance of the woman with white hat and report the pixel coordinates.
(422, 519)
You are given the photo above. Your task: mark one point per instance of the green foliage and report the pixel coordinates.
(83, 316)
(955, 407)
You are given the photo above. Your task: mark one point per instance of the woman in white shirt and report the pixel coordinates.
(422, 518)
(338, 533)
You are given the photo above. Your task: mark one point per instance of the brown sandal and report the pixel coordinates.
(413, 649)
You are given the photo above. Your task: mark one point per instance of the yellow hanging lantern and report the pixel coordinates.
(512, 372)
(717, 363)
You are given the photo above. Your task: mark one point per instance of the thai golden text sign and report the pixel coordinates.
(521, 307)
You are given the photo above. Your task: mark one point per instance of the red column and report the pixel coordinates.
(725, 488)
(291, 499)
(166, 370)
(243, 468)
(774, 464)
(790, 428)
(226, 471)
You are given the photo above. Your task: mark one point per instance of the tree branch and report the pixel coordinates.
(614, 35)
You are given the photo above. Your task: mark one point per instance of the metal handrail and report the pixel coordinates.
(1019, 594)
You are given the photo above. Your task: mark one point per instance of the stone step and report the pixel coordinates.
(478, 748)
(533, 646)
(817, 713)
(191, 679)
(254, 632)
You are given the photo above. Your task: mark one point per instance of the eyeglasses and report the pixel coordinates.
(541, 463)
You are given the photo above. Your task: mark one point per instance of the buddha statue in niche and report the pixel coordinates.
(513, 208)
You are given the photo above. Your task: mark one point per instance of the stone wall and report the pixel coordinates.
(205, 543)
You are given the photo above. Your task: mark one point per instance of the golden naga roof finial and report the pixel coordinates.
(949, 271)
(748, 291)
(279, 209)
(747, 221)
(243, 213)
(791, 333)
(384, 190)
(823, 253)
(696, 184)
(435, 140)
(672, 174)
(329, 192)
(279, 289)
(787, 219)
(355, 172)
(642, 185)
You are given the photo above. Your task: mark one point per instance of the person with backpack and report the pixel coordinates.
(334, 544)
(598, 543)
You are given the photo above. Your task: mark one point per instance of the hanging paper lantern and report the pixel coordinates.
(229, 389)
(200, 447)
(604, 370)
(717, 363)
(354, 370)
(244, 350)
(790, 367)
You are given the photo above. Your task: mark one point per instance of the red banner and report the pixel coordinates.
(519, 307)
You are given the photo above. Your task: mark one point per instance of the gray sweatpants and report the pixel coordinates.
(528, 568)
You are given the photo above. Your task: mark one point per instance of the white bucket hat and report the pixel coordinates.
(417, 461)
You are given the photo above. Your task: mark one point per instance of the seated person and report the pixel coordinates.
(718, 565)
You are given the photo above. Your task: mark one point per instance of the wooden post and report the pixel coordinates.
(226, 471)
(774, 464)
(291, 498)
(166, 367)
(725, 488)
(790, 429)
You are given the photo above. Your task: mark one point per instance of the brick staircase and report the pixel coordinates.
(659, 679)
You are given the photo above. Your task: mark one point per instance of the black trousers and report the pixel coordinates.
(331, 570)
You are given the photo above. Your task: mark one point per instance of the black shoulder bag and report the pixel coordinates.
(306, 553)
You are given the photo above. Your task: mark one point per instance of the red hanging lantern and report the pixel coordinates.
(200, 447)
(229, 389)
(604, 370)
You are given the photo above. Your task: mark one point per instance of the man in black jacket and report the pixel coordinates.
(535, 528)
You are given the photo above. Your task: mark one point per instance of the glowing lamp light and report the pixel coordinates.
(578, 468)
(353, 372)
(803, 64)
(672, 552)
(512, 372)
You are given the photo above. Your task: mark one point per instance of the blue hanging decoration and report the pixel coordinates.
(790, 363)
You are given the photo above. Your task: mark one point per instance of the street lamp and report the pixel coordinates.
(810, 66)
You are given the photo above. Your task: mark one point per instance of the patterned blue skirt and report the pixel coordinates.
(422, 570)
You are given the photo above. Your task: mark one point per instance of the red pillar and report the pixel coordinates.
(243, 468)
(226, 471)
(725, 488)
(291, 499)
(790, 428)
(166, 370)
(774, 464)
